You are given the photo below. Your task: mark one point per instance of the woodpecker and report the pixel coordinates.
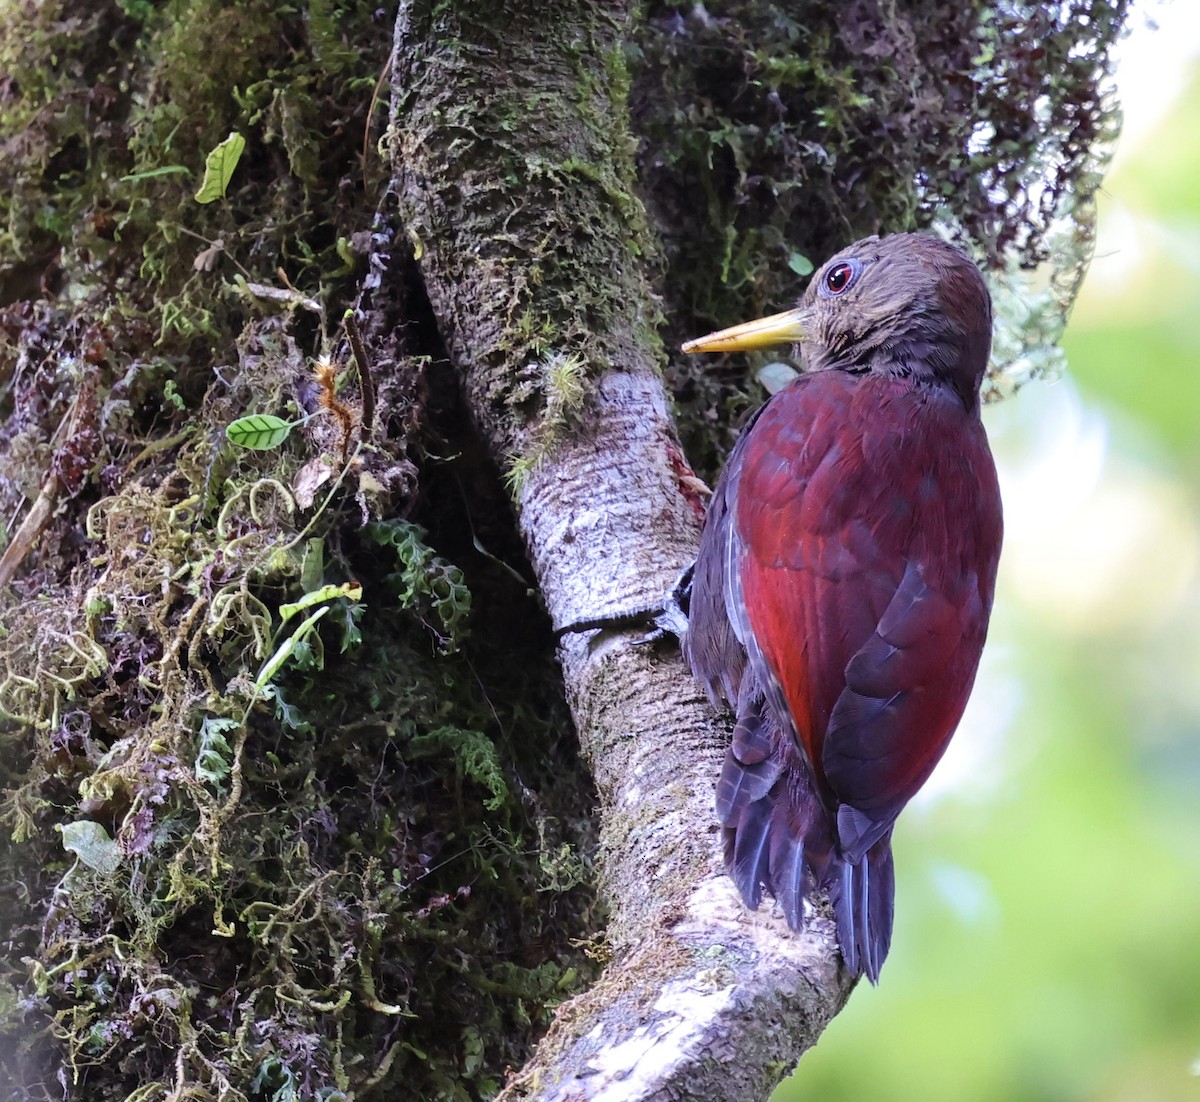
(840, 599)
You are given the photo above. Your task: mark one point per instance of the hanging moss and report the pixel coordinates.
(773, 134)
(315, 852)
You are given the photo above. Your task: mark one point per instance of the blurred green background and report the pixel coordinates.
(1047, 942)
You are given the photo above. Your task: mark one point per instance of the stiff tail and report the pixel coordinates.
(744, 805)
(779, 837)
(765, 848)
(777, 833)
(862, 896)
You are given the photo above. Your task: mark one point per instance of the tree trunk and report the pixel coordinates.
(695, 983)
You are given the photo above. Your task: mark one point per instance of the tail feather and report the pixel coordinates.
(862, 895)
(739, 786)
(747, 852)
(791, 874)
(781, 837)
(778, 835)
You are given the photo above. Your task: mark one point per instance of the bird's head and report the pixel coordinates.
(909, 305)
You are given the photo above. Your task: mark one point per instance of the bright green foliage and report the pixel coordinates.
(474, 755)
(218, 168)
(259, 431)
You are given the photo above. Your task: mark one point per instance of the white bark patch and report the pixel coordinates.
(607, 527)
(647, 1061)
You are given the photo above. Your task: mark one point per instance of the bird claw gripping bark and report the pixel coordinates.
(667, 619)
(672, 617)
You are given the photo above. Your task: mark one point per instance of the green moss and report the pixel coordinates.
(338, 859)
(335, 830)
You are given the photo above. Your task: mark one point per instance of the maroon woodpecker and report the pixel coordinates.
(841, 595)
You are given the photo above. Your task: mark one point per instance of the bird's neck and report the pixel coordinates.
(922, 362)
(918, 359)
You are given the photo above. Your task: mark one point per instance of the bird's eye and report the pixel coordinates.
(840, 277)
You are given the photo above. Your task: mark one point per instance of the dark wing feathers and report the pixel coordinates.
(711, 645)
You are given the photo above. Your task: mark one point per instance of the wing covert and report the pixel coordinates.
(855, 602)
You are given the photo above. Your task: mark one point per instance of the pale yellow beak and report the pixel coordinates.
(786, 328)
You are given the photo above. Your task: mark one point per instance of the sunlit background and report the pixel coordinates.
(1047, 942)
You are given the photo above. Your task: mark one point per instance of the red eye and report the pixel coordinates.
(839, 277)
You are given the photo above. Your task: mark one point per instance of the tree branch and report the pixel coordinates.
(701, 999)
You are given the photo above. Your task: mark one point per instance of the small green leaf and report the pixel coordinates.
(91, 844)
(312, 564)
(472, 1059)
(260, 431)
(172, 395)
(218, 168)
(350, 590)
(289, 648)
(214, 756)
(800, 264)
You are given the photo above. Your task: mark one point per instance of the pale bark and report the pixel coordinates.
(701, 999)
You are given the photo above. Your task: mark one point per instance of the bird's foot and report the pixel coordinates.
(670, 618)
